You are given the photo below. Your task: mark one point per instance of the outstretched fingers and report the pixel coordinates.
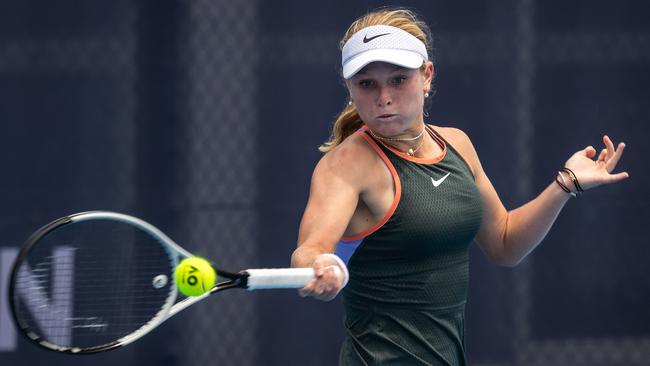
(589, 151)
(613, 178)
(613, 154)
(609, 145)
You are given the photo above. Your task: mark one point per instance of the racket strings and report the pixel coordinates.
(92, 283)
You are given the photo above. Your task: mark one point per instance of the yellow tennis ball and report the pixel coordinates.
(194, 276)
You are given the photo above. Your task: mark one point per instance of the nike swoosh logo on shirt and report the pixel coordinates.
(439, 181)
(366, 39)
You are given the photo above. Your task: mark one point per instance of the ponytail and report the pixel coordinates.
(345, 125)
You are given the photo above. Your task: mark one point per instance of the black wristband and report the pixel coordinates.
(573, 177)
(563, 186)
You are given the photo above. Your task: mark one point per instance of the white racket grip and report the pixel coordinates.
(340, 266)
(270, 278)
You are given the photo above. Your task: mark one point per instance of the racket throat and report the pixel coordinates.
(236, 280)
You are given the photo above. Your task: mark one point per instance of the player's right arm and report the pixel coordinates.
(337, 182)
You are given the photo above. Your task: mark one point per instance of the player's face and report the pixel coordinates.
(390, 98)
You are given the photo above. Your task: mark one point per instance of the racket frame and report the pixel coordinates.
(170, 307)
(175, 251)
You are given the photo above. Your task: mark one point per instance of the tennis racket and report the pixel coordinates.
(95, 281)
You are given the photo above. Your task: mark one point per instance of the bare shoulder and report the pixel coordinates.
(463, 144)
(351, 161)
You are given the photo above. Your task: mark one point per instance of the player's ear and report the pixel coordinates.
(429, 74)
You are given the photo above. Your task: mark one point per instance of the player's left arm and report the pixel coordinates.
(507, 237)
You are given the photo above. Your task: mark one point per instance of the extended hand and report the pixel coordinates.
(592, 173)
(329, 279)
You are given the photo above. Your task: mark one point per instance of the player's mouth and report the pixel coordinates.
(385, 117)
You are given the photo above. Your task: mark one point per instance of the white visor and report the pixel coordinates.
(382, 43)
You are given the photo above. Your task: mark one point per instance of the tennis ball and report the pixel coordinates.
(194, 276)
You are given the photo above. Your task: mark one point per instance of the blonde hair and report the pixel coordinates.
(348, 120)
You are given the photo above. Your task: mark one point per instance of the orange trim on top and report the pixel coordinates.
(414, 159)
(398, 190)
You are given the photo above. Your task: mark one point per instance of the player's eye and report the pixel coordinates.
(366, 83)
(398, 80)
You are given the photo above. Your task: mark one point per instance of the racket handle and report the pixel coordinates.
(260, 279)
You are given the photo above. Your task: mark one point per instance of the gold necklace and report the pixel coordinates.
(397, 139)
(410, 151)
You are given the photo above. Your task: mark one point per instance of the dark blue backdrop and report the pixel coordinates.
(204, 117)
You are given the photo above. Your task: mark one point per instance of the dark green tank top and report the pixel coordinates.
(405, 300)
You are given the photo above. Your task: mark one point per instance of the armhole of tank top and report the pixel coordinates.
(447, 143)
(398, 191)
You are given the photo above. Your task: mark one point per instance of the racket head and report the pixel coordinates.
(93, 281)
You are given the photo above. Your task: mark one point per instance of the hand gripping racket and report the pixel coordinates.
(98, 280)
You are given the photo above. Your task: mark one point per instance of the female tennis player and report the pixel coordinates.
(399, 201)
